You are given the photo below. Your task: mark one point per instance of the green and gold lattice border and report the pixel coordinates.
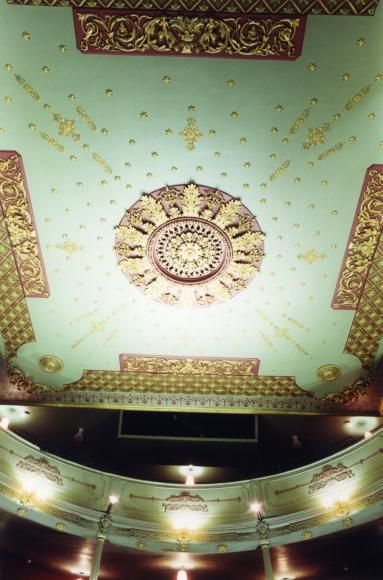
(288, 7)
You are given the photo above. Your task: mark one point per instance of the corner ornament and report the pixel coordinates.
(108, 31)
(189, 245)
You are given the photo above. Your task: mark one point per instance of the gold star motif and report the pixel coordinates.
(8, 67)
(310, 164)
(103, 183)
(223, 174)
(263, 200)
(312, 66)
(230, 83)
(167, 79)
(117, 178)
(73, 157)
(32, 126)
(62, 48)
(191, 108)
(154, 154)
(297, 180)
(243, 140)
(217, 154)
(285, 141)
(131, 142)
(352, 139)
(247, 164)
(246, 185)
(360, 42)
(212, 132)
(144, 115)
(45, 69)
(104, 131)
(346, 76)
(279, 108)
(263, 185)
(168, 131)
(234, 115)
(26, 35)
(378, 77)
(337, 116)
(109, 92)
(274, 130)
(273, 155)
(314, 101)
(324, 183)
(371, 115)
(46, 107)
(8, 100)
(71, 97)
(127, 164)
(199, 168)
(174, 168)
(149, 175)
(85, 146)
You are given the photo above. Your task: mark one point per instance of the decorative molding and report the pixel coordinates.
(17, 211)
(189, 245)
(188, 365)
(15, 322)
(41, 466)
(367, 325)
(185, 502)
(191, 34)
(363, 240)
(341, 7)
(328, 475)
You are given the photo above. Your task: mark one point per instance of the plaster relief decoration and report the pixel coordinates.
(188, 366)
(16, 208)
(328, 476)
(363, 241)
(41, 466)
(189, 245)
(185, 502)
(120, 32)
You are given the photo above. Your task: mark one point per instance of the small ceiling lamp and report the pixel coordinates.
(182, 575)
(189, 481)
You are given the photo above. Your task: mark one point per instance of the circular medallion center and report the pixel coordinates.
(189, 250)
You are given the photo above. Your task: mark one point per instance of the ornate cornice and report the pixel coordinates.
(188, 365)
(17, 211)
(188, 34)
(363, 241)
(342, 7)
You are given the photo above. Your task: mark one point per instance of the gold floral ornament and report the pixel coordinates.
(189, 245)
(246, 36)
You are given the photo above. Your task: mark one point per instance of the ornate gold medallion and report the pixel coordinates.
(51, 364)
(189, 245)
(329, 373)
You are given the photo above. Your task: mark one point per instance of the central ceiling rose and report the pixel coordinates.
(189, 245)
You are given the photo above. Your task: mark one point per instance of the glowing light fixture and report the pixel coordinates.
(113, 499)
(182, 575)
(190, 476)
(256, 507)
(4, 423)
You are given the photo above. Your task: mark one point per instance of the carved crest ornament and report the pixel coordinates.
(189, 245)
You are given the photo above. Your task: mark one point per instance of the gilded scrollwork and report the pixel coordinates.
(188, 366)
(15, 206)
(188, 35)
(362, 243)
(189, 245)
(15, 322)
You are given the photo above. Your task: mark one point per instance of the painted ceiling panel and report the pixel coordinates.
(291, 140)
